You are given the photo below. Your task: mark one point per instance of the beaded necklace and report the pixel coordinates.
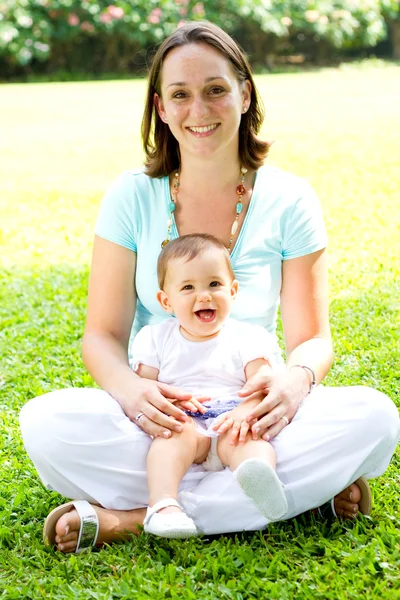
(240, 191)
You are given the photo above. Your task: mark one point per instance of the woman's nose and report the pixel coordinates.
(199, 109)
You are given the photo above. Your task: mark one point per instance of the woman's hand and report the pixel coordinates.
(283, 389)
(154, 403)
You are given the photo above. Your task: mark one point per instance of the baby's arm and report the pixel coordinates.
(236, 418)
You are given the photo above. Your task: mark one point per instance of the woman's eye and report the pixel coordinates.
(216, 90)
(215, 284)
(179, 95)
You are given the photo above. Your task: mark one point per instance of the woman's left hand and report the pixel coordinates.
(284, 390)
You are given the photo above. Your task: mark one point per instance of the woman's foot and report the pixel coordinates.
(113, 525)
(346, 503)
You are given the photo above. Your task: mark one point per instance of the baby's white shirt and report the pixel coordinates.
(213, 368)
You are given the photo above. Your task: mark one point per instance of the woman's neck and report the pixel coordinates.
(205, 176)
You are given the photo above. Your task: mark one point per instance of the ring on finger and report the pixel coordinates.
(139, 416)
(285, 420)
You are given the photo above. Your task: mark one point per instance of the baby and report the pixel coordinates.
(205, 352)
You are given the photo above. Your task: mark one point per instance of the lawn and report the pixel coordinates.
(60, 146)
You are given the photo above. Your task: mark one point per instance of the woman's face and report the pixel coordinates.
(202, 101)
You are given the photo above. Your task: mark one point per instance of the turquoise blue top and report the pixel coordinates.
(284, 221)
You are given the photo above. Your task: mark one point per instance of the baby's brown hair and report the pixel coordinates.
(189, 246)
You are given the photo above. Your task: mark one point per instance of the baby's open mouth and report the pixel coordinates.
(205, 316)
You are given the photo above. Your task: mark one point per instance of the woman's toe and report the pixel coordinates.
(346, 503)
(67, 530)
(67, 546)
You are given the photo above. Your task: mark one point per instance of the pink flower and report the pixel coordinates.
(115, 11)
(73, 20)
(286, 21)
(198, 9)
(183, 11)
(105, 18)
(181, 23)
(154, 16)
(86, 26)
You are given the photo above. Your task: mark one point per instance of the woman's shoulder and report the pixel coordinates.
(272, 177)
(137, 179)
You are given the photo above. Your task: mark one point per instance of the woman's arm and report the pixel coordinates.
(305, 313)
(111, 309)
(304, 310)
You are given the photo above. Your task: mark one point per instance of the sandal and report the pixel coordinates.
(327, 510)
(89, 527)
(169, 525)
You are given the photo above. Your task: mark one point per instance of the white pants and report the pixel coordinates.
(84, 447)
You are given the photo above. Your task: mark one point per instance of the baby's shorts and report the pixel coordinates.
(213, 462)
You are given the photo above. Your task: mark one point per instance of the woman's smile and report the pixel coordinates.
(203, 131)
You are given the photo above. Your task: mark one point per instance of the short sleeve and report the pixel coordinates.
(257, 342)
(143, 350)
(115, 220)
(303, 225)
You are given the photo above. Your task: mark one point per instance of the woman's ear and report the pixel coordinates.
(160, 108)
(164, 302)
(234, 288)
(246, 94)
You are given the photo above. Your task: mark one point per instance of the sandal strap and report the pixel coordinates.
(89, 526)
(159, 506)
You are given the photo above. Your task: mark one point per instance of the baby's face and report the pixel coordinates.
(200, 294)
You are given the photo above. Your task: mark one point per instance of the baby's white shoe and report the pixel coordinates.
(168, 525)
(260, 482)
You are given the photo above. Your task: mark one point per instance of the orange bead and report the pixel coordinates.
(240, 190)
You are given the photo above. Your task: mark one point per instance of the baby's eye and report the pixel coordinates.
(187, 287)
(215, 284)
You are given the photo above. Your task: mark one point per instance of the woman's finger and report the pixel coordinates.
(274, 430)
(151, 428)
(272, 419)
(203, 398)
(160, 406)
(173, 393)
(264, 407)
(260, 381)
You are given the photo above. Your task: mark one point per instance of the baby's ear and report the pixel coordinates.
(164, 301)
(234, 288)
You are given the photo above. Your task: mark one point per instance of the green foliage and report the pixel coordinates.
(339, 129)
(99, 35)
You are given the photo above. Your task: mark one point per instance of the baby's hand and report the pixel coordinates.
(236, 421)
(194, 404)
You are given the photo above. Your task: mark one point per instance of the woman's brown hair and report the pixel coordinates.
(160, 146)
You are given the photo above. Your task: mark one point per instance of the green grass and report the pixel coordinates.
(60, 146)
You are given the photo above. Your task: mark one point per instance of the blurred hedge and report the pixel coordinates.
(99, 36)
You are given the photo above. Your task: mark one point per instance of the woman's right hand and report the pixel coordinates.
(156, 402)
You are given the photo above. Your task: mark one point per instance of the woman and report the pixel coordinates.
(203, 159)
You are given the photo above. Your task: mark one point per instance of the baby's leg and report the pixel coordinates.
(253, 463)
(169, 459)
